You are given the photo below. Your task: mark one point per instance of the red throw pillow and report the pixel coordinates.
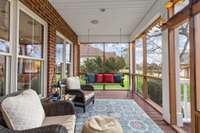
(108, 78)
(99, 78)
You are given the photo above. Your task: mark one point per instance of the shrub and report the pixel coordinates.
(155, 90)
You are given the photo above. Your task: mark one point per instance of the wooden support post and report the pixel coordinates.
(76, 58)
(145, 87)
(133, 67)
(172, 76)
(172, 70)
(78, 62)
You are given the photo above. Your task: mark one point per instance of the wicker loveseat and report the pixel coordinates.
(51, 109)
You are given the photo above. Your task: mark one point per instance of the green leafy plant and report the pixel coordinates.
(114, 64)
(97, 65)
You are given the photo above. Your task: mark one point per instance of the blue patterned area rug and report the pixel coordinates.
(131, 117)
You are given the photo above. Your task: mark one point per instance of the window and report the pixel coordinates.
(139, 66)
(4, 71)
(105, 58)
(117, 61)
(4, 45)
(91, 61)
(59, 57)
(68, 48)
(4, 25)
(184, 50)
(30, 37)
(139, 56)
(88, 54)
(30, 74)
(154, 64)
(148, 64)
(154, 52)
(119, 53)
(68, 53)
(63, 57)
(183, 70)
(31, 56)
(23, 65)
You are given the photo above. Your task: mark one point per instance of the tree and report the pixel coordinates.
(184, 31)
(114, 64)
(110, 65)
(99, 63)
(89, 66)
(96, 65)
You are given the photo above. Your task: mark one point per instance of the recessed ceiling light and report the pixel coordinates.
(3, 11)
(94, 21)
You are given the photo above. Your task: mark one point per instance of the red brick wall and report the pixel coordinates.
(51, 56)
(55, 23)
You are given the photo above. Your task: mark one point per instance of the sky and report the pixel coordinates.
(118, 48)
(59, 53)
(3, 46)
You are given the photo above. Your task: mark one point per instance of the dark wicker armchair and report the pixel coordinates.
(84, 96)
(51, 109)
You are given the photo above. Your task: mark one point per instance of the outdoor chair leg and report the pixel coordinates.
(93, 101)
(84, 109)
(122, 84)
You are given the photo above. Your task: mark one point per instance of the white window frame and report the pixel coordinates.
(9, 54)
(26, 10)
(65, 63)
(15, 7)
(11, 72)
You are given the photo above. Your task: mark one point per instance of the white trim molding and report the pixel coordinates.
(65, 63)
(43, 59)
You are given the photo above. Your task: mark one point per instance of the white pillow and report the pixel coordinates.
(73, 83)
(23, 111)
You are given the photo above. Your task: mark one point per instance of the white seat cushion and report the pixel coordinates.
(23, 111)
(73, 83)
(102, 124)
(88, 94)
(67, 121)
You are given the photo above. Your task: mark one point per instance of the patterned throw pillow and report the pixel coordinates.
(23, 111)
(91, 78)
(118, 78)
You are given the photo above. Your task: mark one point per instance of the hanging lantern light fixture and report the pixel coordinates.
(170, 4)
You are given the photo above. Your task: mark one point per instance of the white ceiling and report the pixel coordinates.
(124, 14)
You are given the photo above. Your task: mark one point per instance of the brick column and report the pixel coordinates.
(51, 56)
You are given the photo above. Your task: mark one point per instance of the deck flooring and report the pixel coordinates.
(155, 115)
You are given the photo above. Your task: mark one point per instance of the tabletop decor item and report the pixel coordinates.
(55, 91)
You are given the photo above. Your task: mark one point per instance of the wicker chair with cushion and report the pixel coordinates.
(57, 116)
(85, 94)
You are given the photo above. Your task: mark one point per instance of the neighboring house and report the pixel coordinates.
(87, 51)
